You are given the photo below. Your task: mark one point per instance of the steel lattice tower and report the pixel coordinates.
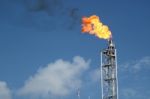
(109, 80)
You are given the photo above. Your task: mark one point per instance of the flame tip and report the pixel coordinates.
(94, 26)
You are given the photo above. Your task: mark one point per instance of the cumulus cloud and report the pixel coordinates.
(130, 93)
(136, 65)
(5, 92)
(95, 75)
(59, 78)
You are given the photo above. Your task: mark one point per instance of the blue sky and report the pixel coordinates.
(44, 54)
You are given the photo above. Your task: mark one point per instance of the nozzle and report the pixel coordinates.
(110, 42)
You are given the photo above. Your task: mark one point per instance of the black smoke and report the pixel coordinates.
(56, 8)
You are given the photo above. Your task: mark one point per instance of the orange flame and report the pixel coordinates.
(94, 26)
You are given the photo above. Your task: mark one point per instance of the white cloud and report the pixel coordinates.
(144, 62)
(58, 78)
(136, 66)
(95, 75)
(5, 92)
(130, 93)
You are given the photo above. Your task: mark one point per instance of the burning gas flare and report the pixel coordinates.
(94, 26)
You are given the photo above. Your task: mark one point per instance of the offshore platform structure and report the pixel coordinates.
(109, 80)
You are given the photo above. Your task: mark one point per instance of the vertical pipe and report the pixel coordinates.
(116, 73)
(113, 75)
(101, 67)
